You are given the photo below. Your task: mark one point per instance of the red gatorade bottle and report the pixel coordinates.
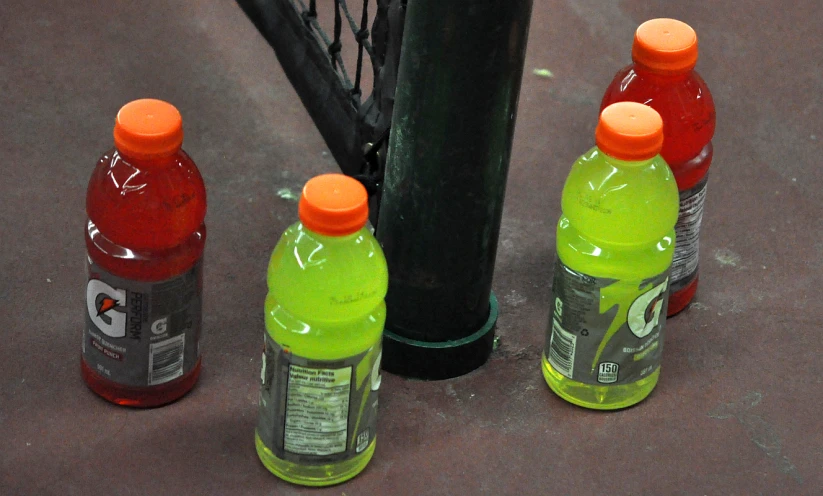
(663, 77)
(146, 204)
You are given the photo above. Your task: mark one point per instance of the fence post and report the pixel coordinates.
(458, 84)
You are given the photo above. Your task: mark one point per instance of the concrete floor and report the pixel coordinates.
(737, 410)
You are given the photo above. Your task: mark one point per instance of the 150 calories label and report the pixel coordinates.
(141, 333)
(317, 411)
(687, 235)
(606, 331)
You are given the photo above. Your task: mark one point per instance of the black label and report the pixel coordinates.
(315, 411)
(606, 331)
(141, 333)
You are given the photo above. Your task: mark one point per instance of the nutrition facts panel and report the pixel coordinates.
(317, 410)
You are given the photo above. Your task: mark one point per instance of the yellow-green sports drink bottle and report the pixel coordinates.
(615, 242)
(324, 315)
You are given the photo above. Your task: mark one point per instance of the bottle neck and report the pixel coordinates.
(657, 75)
(326, 238)
(154, 161)
(627, 164)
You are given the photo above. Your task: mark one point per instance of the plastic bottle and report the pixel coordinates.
(145, 234)
(615, 241)
(324, 316)
(663, 77)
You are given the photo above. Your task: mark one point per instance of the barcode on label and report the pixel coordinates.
(166, 360)
(561, 350)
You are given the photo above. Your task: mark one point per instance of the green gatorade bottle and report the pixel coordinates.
(615, 242)
(324, 315)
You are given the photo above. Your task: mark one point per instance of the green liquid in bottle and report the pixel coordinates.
(326, 305)
(618, 227)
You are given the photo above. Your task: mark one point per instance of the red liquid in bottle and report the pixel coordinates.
(145, 234)
(663, 77)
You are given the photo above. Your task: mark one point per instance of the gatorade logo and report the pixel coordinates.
(644, 314)
(102, 302)
(160, 326)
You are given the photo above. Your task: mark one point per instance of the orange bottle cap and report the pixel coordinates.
(629, 131)
(148, 128)
(334, 205)
(665, 45)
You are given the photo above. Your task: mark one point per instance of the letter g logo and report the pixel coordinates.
(650, 302)
(102, 301)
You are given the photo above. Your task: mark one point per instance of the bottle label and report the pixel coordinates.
(606, 331)
(141, 333)
(687, 235)
(318, 412)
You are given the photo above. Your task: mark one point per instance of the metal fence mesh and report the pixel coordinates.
(343, 69)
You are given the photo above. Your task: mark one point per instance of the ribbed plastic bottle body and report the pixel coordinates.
(325, 310)
(145, 230)
(685, 103)
(614, 245)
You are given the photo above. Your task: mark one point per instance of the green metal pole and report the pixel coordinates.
(458, 84)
